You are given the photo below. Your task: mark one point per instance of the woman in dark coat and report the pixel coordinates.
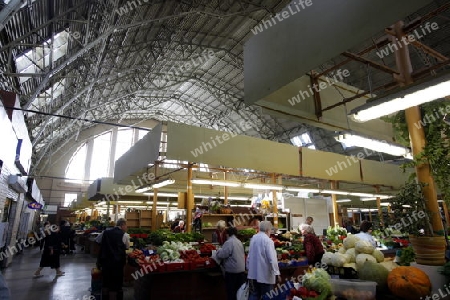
(52, 250)
(312, 245)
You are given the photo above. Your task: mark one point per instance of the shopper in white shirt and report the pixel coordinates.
(262, 263)
(366, 232)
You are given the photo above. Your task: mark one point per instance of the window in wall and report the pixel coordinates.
(69, 198)
(100, 157)
(124, 138)
(142, 133)
(303, 140)
(75, 168)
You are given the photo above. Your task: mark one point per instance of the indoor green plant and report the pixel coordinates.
(437, 151)
(409, 215)
(436, 154)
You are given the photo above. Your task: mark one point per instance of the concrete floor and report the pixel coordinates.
(74, 285)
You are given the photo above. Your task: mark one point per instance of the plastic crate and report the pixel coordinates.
(160, 267)
(353, 289)
(170, 267)
(196, 265)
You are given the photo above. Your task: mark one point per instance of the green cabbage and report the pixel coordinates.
(319, 281)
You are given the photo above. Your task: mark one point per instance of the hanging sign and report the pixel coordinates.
(34, 205)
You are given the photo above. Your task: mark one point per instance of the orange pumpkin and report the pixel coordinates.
(409, 283)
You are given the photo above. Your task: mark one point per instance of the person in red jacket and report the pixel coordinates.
(312, 245)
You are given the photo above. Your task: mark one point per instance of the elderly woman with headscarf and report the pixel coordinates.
(220, 234)
(312, 245)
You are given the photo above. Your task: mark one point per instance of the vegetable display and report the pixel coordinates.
(355, 256)
(372, 271)
(364, 247)
(159, 236)
(171, 251)
(318, 280)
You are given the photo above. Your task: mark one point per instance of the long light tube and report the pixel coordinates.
(157, 185)
(379, 146)
(305, 190)
(163, 195)
(409, 97)
(216, 182)
(240, 198)
(336, 192)
(343, 200)
(163, 183)
(143, 189)
(262, 186)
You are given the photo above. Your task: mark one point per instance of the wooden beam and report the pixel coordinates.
(372, 63)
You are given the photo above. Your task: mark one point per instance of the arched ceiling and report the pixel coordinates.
(177, 60)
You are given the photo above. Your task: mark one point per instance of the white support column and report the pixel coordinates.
(87, 164)
(112, 152)
(135, 136)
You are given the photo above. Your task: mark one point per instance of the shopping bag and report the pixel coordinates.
(243, 292)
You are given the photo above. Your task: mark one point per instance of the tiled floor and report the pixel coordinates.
(75, 285)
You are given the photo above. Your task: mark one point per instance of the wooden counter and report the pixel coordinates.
(201, 284)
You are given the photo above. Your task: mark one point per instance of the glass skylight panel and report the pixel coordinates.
(303, 140)
(37, 59)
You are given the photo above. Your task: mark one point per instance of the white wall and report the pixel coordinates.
(316, 208)
(10, 132)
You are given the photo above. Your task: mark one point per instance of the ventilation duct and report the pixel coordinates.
(16, 184)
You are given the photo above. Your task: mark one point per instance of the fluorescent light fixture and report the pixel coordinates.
(440, 201)
(216, 182)
(163, 183)
(411, 96)
(305, 190)
(163, 194)
(143, 189)
(126, 202)
(355, 140)
(385, 204)
(361, 194)
(262, 186)
(242, 198)
(406, 205)
(237, 198)
(384, 196)
(162, 203)
(343, 200)
(369, 199)
(336, 192)
(156, 185)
